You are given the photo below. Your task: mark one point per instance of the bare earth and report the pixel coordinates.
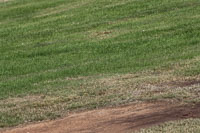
(122, 119)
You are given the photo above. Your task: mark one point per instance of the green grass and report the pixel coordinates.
(65, 55)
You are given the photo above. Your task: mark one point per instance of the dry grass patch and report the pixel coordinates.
(60, 96)
(73, 94)
(62, 8)
(4, 0)
(180, 126)
(102, 34)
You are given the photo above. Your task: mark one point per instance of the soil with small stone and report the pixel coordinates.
(123, 119)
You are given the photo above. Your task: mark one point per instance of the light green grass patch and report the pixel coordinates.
(181, 126)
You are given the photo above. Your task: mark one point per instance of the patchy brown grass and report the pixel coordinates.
(90, 92)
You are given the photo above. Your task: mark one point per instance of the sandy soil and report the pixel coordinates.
(122, 119)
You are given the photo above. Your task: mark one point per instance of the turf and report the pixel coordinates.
(57, 56)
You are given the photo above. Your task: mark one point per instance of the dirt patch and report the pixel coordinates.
(186, 83)
(182, 83)
(115, 120)
(105, 32)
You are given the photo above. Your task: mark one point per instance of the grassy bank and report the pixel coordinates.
(65, 55)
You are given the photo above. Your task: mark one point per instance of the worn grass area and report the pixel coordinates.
(66, 55)
(57, 97)
(182, 126)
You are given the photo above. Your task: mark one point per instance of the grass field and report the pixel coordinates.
(71, 55)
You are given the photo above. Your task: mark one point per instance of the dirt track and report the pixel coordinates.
(114, 120)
